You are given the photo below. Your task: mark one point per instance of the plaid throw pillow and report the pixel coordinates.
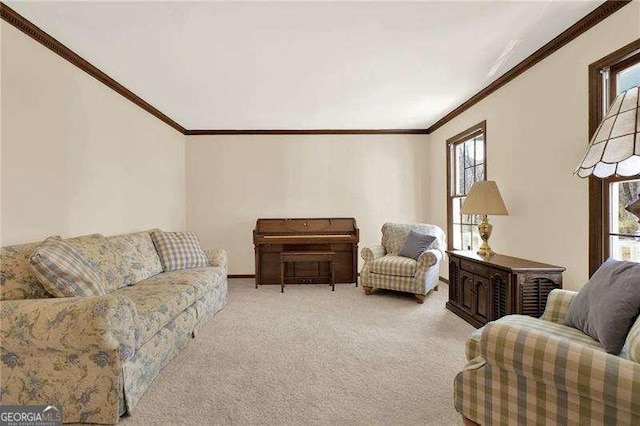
(179, 250)
(63, 272)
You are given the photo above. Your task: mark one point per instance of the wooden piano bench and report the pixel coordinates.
(307, 256)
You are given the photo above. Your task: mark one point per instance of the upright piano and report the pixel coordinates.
(274, 236)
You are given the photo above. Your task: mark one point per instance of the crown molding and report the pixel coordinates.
(596, 16)
(310, 132)
(20, 22)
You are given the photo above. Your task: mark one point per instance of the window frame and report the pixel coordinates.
(599, 189)
(464, 136)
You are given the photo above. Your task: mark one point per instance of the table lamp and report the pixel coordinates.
(484, 198)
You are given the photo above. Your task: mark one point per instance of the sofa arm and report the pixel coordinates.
(217, 257)
(558, 305)
(100, 324)
(560, 362)
(372, 253)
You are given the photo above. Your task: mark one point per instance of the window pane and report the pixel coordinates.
(459, 177)
(475, 237)
(625, 248)
(469, 152)
(467, 237)
(479, 172)
(621, 194)
(628, 78)
(480, 149)
(457, 202)
(457, 237)
(468, 179)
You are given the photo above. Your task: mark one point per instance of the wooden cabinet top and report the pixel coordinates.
(508, 263)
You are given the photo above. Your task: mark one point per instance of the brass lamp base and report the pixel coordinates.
(484, 229)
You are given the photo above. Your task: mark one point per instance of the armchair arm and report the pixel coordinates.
(218, 257)
(558, 361)
(558, 305)
(429, 258)
(372, 253)
(632, 344)
(77, 325)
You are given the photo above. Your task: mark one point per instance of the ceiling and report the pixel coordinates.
(304, 65)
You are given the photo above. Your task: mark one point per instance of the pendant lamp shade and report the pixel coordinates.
(614, 148)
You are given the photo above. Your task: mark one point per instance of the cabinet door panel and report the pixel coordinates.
(499, 282)
(466, 290)
(481, 298)
(454, 281)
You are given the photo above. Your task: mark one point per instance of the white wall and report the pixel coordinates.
(537, 130)
(234, 180)
(76, 157)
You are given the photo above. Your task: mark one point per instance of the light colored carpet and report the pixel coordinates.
(312, 356)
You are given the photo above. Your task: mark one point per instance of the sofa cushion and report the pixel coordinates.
(157, 304)
(608, 305)
(179, 250)
(163, 297)
(138, 257)
(101, 254)
(394, 265)
(415, 244)
(63, 271)
(17, 280)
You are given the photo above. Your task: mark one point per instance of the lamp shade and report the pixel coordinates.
(484, 198)
(615, 146)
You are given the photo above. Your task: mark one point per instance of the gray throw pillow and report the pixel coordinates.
(416, 243)
(608, 305)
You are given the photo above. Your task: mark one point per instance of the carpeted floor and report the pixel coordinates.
(312, 356)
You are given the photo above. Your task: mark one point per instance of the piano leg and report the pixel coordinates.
(333, 278)
(282, 276)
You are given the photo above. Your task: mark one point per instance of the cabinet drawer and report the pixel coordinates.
(474, 268)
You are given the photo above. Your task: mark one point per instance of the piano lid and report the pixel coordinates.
(318, 226)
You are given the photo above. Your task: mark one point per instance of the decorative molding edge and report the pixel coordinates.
(310, 132)
(14, 18)
(596, 16)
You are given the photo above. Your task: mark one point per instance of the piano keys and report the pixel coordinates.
(271, 237)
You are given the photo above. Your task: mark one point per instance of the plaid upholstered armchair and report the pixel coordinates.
(537, 371)
(383, 268)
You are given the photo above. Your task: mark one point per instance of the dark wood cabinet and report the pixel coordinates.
(483, 289)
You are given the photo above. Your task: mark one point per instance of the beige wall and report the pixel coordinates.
(536, 132)
(233, 180)
(76, 156)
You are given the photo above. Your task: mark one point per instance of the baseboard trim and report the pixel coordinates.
(241, 276)
(444, 280)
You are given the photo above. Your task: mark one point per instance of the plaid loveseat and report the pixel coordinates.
(383, 268)
(537, 371)
(96, 356)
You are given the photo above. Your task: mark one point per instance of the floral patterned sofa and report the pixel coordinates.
(96, 356)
